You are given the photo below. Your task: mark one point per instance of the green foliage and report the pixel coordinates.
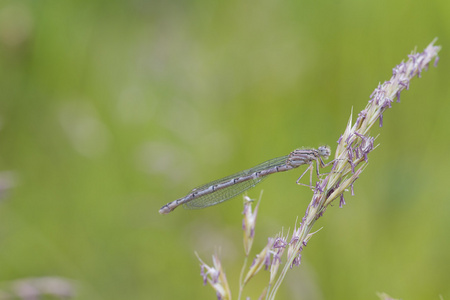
(110, 109)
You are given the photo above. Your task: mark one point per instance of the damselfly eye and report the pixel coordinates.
(324, 151)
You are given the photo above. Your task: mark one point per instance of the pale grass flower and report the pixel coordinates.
(351, 158)
(261, 259)
(38, 288)
(216, 277)
(248, 223)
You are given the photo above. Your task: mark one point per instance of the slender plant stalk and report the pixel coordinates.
(241, 277)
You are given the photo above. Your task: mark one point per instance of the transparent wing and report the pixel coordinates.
(222, 194)
(231, 191)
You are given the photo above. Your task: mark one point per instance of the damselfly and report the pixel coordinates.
(223, 189)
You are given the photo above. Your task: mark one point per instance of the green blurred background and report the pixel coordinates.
(110, 109)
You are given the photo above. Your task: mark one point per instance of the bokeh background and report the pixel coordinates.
(110, 109)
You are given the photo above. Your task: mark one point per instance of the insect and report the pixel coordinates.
(220, 190)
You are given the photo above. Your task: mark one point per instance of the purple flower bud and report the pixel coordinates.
(203, 274)
(318, 188)
(413, 57)
(267, 262)
(357, 153)
(352, 165)
(215, 276)
(279, 243)
(333, 168)
(361, 116)
(394, 71)
(436, 60)
(348, 141)
(296, 262)
(366, 147)
(404, 83)
(320, 214)
(293, 240)
(375, 91)
(324, 183)
(277, 257)
(402, 67)
(350, 154)
(253, 262)
(341, 201)
(388, 102)
(359, 134)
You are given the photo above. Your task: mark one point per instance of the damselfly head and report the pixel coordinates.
(324, 151)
